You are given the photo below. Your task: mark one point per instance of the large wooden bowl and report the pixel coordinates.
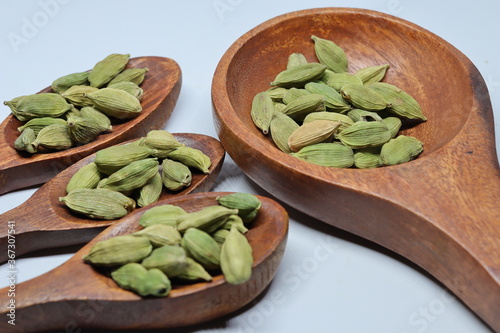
(441, 210)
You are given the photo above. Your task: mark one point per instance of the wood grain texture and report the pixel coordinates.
(441, 210)
(42, 222)
(77, 296)
(161, 85)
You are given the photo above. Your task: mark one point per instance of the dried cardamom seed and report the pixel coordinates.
(262, 111)
(88, 176)
(163, 214)
(119, 250)
(311, 133)
(400, 150)
(175, 175)
(106, 69)
(236, 258)
(298, 75)
(151, 192)
(200, 246)
(115, 103)
(330, 54)
(101, 204)
(132, 176)
(327, 154)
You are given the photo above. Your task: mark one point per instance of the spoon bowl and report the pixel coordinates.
(161, 85)
(441, 210)
(53, 225)
(76, 295)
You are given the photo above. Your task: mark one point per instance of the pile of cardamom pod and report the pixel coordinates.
(181, 246)
(318, 112)
(80, 107)
(123, 176)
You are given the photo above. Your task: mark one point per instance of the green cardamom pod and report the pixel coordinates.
(136, 278)
(367, 158)
(42, 105)
(277, 93)
(401, 103)
(88, 176)
(163, 214)
(163, 141)
(330, 54)
(24, 142)
(112, 159)
(151, 192)
(118, 250)
(54, 136)
(134, 75)
(311, 133)
(400, 150)
(65, 82)
(333, 100)
(12, 104)
(299, 75)
(175, 175)
(296, 59)
(237, 221)
(170, 259)
(115, 103)
(160, 234)
(97, 116)
(207, 219)
(343, 119)
(220, 235)
(82, 130)
(299, 108)
(76, 95)
(363, 97)
(393, 124)
(327, 154)
(129, 87)
(262, 111)
(191, 157)
(363, 115)
(293, 94)
(338, 80)
(281, 128)
(132, 176)
(372, 74)
(194, 271)
(106, 69)
(200, 246)
(236, 258)
(100, 204)
(36, 124)
(363, 134)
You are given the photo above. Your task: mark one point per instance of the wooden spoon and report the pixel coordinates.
(74, 295)
(161, 86)
(42, 222)
(441, 210)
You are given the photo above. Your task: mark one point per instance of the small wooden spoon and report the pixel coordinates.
(74, 295)
(441, 210)
(42, 222)
(161, 86)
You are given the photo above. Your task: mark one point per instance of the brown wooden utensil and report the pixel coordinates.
(441, 210)
(42, 222)
(161, 86)
(74, 295)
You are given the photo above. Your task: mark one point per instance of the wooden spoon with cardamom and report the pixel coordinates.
(74, 295)
(42, 222)
(161, 87)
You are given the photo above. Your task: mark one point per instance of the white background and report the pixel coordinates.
(328, 280)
